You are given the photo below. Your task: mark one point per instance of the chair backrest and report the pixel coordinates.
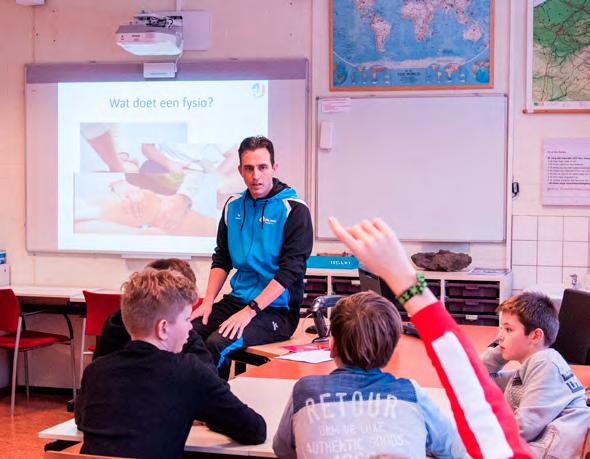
(573, 339)
(9, 310)
(99, 306)
(197, 304)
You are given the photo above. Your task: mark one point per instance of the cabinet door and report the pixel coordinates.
(345, 285)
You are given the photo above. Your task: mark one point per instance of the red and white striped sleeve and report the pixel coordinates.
(484, 419)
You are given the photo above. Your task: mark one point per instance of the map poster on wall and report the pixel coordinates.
(558, 54)
(566, 172)
(411, 44)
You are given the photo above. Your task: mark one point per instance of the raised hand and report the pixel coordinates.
(378, 248)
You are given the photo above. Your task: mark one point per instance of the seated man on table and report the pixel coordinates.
(265, 233)
(547, 398)
(358, 410)
(141, 401)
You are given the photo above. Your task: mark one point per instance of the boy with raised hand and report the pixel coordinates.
(548, 400)
(141, 401)
(484, 419)
(358, 410)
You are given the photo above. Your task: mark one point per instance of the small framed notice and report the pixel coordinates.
(566, 172)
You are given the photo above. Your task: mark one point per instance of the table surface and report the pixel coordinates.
(252, 391)
(71, 294)
(408, 361)
(273, 350)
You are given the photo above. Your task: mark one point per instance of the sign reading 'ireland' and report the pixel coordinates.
(411, 44)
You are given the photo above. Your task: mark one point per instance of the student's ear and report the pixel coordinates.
(275, 167)
(537, 336)
(162, 329)
(333, 350)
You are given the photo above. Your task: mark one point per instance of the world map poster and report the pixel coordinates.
(558, 55)
(411, 44)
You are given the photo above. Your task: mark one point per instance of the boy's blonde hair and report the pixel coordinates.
(534, 310)
(366, 328)
(151, 295)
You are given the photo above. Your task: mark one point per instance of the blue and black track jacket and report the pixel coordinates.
(264, 239)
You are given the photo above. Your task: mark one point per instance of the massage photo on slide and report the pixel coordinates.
(144, 179)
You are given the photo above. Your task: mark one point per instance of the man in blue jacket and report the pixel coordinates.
(266, 234)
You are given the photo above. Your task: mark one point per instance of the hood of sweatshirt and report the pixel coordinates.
(279, 191)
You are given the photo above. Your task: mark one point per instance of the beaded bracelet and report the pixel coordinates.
(414, 290)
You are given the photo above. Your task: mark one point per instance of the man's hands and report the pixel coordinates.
(235, 324)
(378, 248)
(204, 311)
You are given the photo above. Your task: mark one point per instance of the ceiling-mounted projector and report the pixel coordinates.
(152, 35)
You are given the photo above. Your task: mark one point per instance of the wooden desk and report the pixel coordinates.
(273, 350)
(53, 300)
(33, 297)
(252, 391)
(52, 294)
(408, 361)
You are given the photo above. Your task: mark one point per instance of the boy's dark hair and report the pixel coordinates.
(366, 328)
(534, 310)
(175, 264)
(254, 143)
(151, 295)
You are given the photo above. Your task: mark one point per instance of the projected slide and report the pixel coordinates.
(147, 166)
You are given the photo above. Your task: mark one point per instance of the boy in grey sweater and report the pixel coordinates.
(548, 400)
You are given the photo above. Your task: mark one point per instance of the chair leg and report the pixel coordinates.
(14, 365)
(73, 363)
(13, 386)
(26, 359)
(82, 344)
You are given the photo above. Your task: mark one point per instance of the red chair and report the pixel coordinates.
(197, 304)
(17, 339)
(99, 307)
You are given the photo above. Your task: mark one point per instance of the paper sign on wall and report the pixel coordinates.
(335, 105)
(566, 172)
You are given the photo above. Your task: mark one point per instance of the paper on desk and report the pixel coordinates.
(318, 356)
(307, 347)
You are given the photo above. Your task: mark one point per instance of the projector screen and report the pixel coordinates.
(119, 164)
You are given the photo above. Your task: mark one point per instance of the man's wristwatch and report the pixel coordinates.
(254, 306)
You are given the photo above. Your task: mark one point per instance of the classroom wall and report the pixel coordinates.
(83, 30)
(549, 242)
(490, 255)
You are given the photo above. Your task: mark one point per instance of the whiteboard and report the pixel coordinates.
(434, 168)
